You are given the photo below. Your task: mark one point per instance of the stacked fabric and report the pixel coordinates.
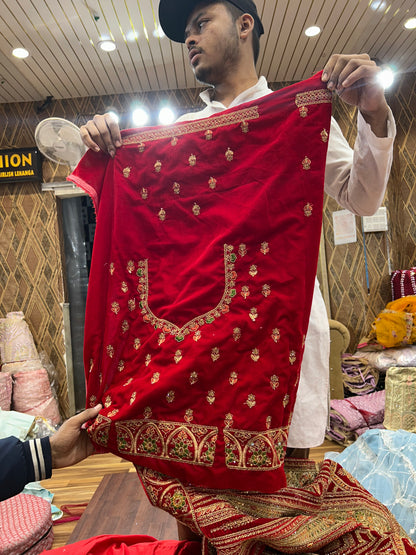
(5, 391)
(33, 395)
(16, 343)
(359, 377)
(351, 417)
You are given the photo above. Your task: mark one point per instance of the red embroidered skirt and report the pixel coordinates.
(201, 283)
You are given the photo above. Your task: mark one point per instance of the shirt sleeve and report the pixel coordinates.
(23, 462)
(357, 178)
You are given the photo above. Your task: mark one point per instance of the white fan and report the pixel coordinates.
(59, 140)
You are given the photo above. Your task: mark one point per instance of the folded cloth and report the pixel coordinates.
(16, 341)
(6, 385)
(359, 376)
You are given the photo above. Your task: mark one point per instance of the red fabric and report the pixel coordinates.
(403, 283)
(201, 283)
(127, 545)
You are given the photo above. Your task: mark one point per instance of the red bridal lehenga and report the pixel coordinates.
(199, 296)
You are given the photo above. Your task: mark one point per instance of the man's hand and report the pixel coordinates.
(71, 444)
(102, 133)
(354, 78)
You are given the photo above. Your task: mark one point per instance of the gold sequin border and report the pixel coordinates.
(319, 96)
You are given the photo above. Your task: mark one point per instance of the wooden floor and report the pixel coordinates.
(77, 484)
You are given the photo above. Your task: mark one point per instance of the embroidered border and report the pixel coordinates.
(195, 126)
(196, 323)
(319, 96)
(174, 441)
(100, 430)
(251, 450)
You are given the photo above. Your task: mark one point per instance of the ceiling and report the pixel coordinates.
(65, 61)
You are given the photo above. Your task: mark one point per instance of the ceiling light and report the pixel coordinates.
(140, 117)
(158, 33)
(166, 116)
(132, 36)
(312, 31)
(378, 5)
(410, 23)
(386, 77)
(20, 53)
(107, 45)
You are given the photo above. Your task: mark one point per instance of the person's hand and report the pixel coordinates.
(102, 133)
(355, 79)
(71, 444)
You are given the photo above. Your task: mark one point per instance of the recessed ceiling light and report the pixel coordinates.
(107, 45)
(158, 33)
(312, 31)
(410, 23)
(386, 77)
(378, 5)
(20, 53)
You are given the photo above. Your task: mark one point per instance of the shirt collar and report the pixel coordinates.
(256, 91)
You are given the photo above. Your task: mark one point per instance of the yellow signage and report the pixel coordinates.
(20, 164)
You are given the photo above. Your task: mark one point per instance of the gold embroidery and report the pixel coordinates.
(131, 304)
(196, 323)
(176, 188)
(244, 127)
(107, 401)
(245, 291)
(196, 126)
(130, 266)
(155, 378)
(274, 382)
(148, 360)
(133, 397)
(93, 401)
(100, 430)
(292, 357)
(145, 193)
(91, 365)
(236, 334)
(324, 135)
(253, 450)
(141, 147)
(276, 335)
(242, 250)
(113, 413)
(211, 397)
(196, 209)
(178, 356)
(197, 335)
(192, 160)
(158, 166)
(251, 401)
(212, 182)
(255, 355)
(189, 415)
(317, 96)
(174, 141)
(229, 420)
(126, 172)
(229, 155)
(264, 248)
(303, 111)
(286, 400)
(170, 397)
(136, 343)
(193, 378)
(308, 208)
(268, 422)
(175, 441)
(110, 351)
(253, 314)
(128, 382)
(124, 287)
(111, 268)
(115, 307)
(215, 354)
(306, 163)
(233, 379)
(253, 270)
(121, 366)
(161, 339)
(162, 215)
(208, 135)
(266, 290)
(147, 413)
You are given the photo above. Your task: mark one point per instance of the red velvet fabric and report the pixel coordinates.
(201, 283)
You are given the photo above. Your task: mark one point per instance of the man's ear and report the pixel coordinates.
(246, 24)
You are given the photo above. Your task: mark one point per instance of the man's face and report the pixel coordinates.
(212, 40)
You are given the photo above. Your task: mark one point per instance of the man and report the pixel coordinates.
(222, 40)
(22, 462)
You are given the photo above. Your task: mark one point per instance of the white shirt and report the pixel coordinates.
(357, 180)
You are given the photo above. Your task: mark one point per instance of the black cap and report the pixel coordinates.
(174, 15)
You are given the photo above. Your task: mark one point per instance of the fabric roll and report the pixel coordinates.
(400, 399)
(16, 339)
(6, 386)
(22, 366)
(32, 394)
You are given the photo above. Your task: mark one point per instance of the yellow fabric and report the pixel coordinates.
(395, 326)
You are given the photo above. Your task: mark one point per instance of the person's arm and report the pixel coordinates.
(102, 133)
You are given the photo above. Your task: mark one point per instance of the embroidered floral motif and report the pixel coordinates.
(208, 134)
(110, 351)
(141, 147)
(124, 287)
(253, 270)
(215, 354)
(155, 378)
(131, 304)
(242, 250)
(158, 166)
(308, 208)
(193, 378)
(212, 182)
(229, 420)
(253, 314)
(264, 248)
(251, 401)
(268, 422)
(324, 135)
(93, 401)
(148, 360)
(274, 382)
(115, 307)
(136, 343)
(233, 379)
(111, 268)
(276, 335)
(306, 163)
(255, 355)
(126, 172)
(178, 356)
(121, 365)
(303, 111)
(196, 209)
(229, 155)
(144, 193)
(292, 357)
(244, 127)
(176, 188)
(133, 397)
(211, 397)
(170, 397)
(236, 334)
(245, 291)
(107, 401)
(174, 141)
(266, 290)
(189, 415)
(128, 382)
(252, 450)
(162, 215)
(197, 335)
(161, 339)
(147, 413)
(196, 323)
(192, 160)
(91, 365)
(286, 400)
